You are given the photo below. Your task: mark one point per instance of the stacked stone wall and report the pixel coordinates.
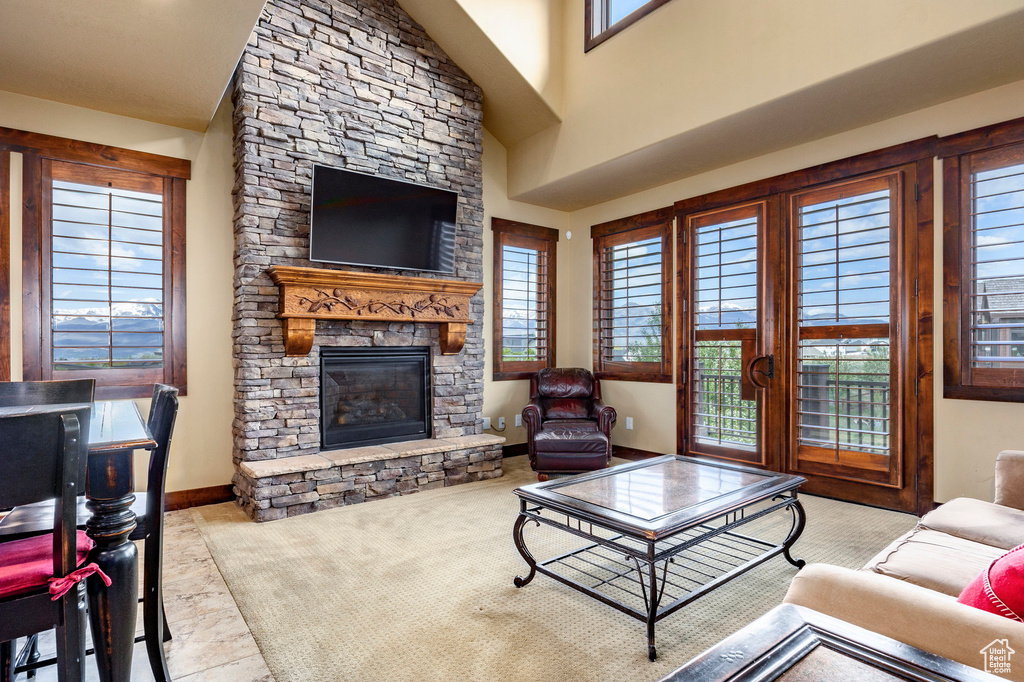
(354, 84)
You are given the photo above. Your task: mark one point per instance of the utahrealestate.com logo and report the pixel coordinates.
(997, 657)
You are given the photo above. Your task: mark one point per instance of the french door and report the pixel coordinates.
(798, 335)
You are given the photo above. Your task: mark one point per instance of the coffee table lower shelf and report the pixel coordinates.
(651, 579)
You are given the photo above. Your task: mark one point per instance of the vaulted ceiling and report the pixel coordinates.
(167, 61)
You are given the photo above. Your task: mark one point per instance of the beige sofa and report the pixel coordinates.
(909, 590)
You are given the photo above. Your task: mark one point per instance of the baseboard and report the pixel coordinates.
(197, 497)
(622, 452)
(514, 450)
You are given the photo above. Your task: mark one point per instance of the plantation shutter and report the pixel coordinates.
(845, 392)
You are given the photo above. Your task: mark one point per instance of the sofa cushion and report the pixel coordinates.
(999, 588)
(940, 562)
(984, 522)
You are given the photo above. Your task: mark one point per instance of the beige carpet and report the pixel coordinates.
(420, 588)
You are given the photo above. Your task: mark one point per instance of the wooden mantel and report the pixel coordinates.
(311, 294)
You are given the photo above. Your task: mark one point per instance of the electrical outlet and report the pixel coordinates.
(487, 423)
(519, 420)
(629, 423)
(501, 423)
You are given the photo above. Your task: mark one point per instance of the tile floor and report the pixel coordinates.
(211, 642)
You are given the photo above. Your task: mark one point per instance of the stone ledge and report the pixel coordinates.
(281, 489)
(371, 453)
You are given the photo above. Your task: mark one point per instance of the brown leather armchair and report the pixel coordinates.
(568, 428)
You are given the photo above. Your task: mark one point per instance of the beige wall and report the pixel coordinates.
(529, 33)
(968, 434)
(507, 398)
(201, 449)
(740, 72)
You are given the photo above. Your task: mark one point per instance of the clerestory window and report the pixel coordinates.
(605, 18)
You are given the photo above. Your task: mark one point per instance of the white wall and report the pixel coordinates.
(201, 447)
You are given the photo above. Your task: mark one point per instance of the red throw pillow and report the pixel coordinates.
(999, 589)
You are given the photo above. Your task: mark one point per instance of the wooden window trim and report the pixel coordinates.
(38, 152)
(5, 266)
(958, 152)
(543, 239)
(590, 40)
(657, 223)
(889, 157)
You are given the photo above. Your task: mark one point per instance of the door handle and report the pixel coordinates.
(768, 373)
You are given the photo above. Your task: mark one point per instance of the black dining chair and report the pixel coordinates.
(40, 576)
(149, 512)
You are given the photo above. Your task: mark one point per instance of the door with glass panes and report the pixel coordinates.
(794, 307)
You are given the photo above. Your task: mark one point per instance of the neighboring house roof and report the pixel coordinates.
(1003, 298)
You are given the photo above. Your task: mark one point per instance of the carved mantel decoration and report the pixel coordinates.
(311, 294)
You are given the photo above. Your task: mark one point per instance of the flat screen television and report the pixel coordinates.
(360, 219)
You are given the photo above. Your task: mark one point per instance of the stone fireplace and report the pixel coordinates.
(354, 84)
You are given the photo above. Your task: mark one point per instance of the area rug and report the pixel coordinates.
(420, 588)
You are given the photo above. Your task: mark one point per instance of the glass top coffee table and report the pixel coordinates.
(660, 532)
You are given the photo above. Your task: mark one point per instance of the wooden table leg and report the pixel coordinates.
(112, 610)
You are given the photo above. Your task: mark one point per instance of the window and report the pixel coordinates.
(632, 308)
(5, 266)
(524, 298)
(605, 18)
(984, 264)
(103, 277)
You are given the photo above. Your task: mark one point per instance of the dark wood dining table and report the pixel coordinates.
(116, 430)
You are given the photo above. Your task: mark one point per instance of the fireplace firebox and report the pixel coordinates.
(374, 395)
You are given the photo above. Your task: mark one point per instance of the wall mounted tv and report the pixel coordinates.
(360, 219)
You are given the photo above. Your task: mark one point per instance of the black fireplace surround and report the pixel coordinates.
(374, 395)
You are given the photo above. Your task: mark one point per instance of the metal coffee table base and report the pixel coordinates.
(651, 579)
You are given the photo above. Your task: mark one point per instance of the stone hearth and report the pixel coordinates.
(292, 485)
(354, 84)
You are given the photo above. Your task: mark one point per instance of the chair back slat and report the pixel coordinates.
(18, 393)
(30, 440)
(14, 393)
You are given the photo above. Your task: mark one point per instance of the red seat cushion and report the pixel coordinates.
(999, 589)
(27, 565)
